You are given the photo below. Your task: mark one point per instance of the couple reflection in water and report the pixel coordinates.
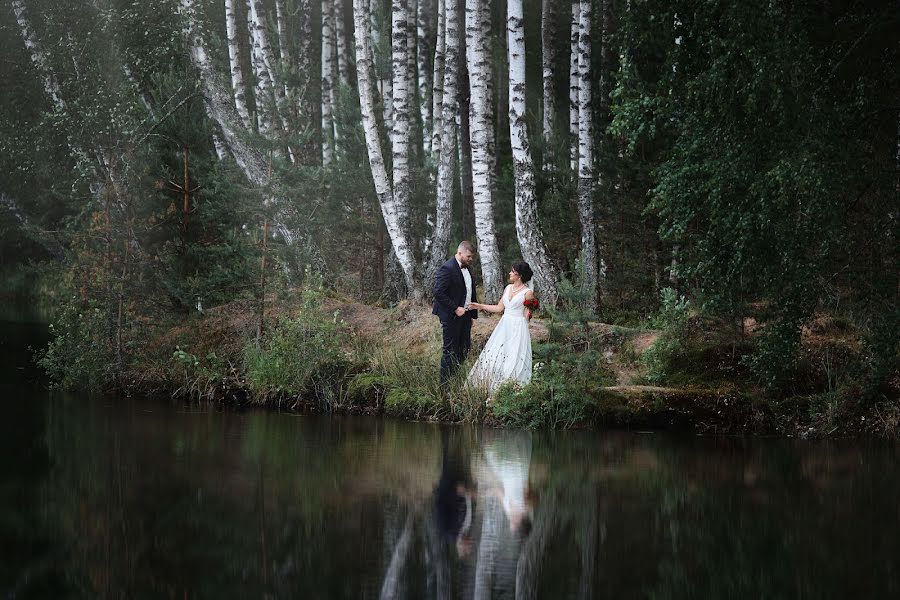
(478, 519)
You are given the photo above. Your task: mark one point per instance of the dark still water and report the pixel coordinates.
(139, 499)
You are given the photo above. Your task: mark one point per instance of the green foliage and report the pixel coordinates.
(550, 400)
(672, 319)
(759, 124)
(568, 371)
(201, 376)
(309, 355)
(78, 354)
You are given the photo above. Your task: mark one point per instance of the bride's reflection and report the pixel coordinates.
(502, 469)
(476, 527)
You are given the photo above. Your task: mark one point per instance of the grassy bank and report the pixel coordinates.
(317, 352)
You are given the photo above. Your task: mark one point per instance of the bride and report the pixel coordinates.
(507, 354)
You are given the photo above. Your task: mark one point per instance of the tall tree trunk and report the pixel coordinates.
(220, 108)
(264, 59)
(327, 64)
(400, 86)
(531, 240)
(478, 57)
(586, 160)
(463, 129)
(574, 80)
(548, 60)
(424, 74)
(437, 96)
(444, 195)
(392, 216)
(234, 57)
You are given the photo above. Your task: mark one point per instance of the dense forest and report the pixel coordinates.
(681, 164)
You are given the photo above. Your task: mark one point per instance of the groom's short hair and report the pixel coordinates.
(466, 246)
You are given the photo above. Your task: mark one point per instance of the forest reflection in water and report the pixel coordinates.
(125, 497)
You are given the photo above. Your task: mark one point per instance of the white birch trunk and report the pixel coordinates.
(586, 159)
(327, 64)
(422, 74)
(444, 195)
(220, 108)
(284, 49)
(237, 74)
(263, 92)
(548, 60)
(478, 57)
(400, 86)
(266, 63)
(528, 230)
(437, 97)
(392, 217)
(573, 86)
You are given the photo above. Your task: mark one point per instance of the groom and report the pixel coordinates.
(453, 291)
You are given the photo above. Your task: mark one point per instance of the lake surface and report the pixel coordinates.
(118, 497)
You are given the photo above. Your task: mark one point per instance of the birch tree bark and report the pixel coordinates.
(586, 160)
(234, 57)
(437, 96)
(423, 73)
(478, 57)
(548, 60)
(327, 64)
(389, 210)
(444, 198)
(220, 109)
(463, 128)
(573, 85)
(400, 87)
(264, 63)
(531, 240)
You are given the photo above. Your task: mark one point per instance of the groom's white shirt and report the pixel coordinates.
(467, 277)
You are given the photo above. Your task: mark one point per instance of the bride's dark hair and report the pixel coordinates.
(524, 270)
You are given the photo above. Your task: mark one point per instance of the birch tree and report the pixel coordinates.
(221, 110)
(271, 101)
(437, 94)
(548, 61)
(424, 74)
(327, 64)
(531, 240)
(448, 131)
(393, 218)
(478, 57)
(574, 85)
(400, 86)
(232, 27)
(586, 159)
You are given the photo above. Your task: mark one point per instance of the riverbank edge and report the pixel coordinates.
(727, 412)
(624, 401)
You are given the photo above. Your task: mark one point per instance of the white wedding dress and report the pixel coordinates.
(507, 354)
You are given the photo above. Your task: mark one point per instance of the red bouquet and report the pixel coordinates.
(532, 304)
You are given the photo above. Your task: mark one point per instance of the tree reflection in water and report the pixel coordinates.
(148, 499)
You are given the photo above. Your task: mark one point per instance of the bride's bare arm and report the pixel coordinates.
(529, 295)
(491, 308)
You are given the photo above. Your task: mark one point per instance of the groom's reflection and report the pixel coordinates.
(454, 496)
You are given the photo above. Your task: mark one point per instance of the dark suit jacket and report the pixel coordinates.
(450, 291)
